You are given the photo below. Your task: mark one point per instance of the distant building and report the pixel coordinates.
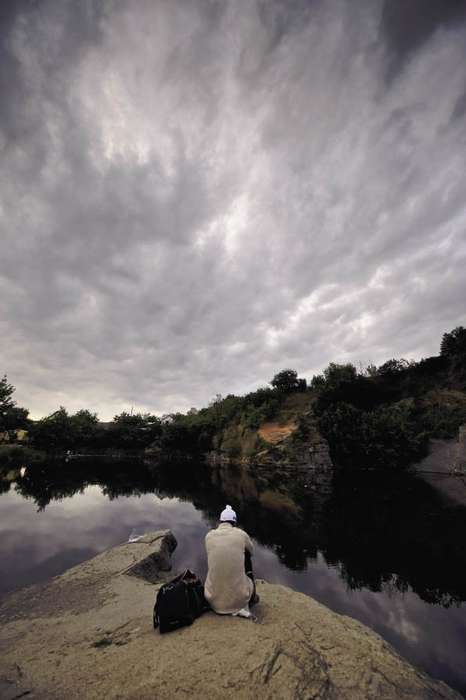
(18, 435)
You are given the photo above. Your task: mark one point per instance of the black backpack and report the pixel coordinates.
(179, 602)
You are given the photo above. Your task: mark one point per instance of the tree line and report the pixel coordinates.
(373, 417)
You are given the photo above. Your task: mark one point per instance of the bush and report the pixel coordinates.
(441, 413)
(387, 438)
(287, 381)
(342, 426)
(187, 434)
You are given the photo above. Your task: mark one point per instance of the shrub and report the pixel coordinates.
(385, 438)
(441, 413)
(287, 381)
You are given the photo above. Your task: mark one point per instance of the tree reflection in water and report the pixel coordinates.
(379, 530)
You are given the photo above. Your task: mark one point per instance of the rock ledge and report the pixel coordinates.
(88, 634)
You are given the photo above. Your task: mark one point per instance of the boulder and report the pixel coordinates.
(159, 559)
(88, 634)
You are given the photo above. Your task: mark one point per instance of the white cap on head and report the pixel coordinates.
(228, 514)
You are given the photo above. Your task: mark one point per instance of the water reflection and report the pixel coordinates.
(385, 549)
(381, 531)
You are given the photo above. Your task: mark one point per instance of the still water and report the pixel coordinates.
(386, 550)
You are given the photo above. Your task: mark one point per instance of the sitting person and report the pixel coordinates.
(230, 585)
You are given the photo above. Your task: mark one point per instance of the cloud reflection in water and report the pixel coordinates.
(35, 545)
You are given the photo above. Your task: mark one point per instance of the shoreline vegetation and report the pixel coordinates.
(372, 418)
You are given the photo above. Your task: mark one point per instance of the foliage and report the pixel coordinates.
(360, 392)
(12, 416)
(387, 437)
(342, 426)
(6, 392)
(393, 367)
(59, 430)
(442, 412)
(333, 377)
(287, 381)
(336, 374)
(393, 438)
(134, 431)
(84, 427)
(383, 417)
(453, 348)
(353, 408)
(52, 432)
(185, 434)
(454, 343)
(222, 422)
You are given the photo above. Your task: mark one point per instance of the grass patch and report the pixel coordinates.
(102, 643)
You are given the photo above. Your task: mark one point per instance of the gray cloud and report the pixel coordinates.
(406, 26)
(194, 195)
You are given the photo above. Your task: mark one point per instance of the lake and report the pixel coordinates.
(386, 549)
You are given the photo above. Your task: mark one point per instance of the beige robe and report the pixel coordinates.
(227, 588)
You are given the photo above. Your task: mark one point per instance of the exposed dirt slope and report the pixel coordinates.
(274, 432)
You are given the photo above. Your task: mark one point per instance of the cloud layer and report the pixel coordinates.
(196, 194)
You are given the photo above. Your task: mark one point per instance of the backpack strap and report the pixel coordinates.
(155, 616)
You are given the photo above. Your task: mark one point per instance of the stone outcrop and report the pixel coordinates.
(150, 567)
(296, 452)
(88, 634)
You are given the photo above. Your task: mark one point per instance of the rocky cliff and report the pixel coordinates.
(289, 447)
(88, 634)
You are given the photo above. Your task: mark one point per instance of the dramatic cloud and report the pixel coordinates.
(196, 194)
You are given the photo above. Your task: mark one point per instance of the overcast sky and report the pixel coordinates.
(195, 194)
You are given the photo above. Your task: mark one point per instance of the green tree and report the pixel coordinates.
(135, 431)
(287, 381)
(60, 431)
(336, 374)
(84, 428)
(333, 376)
(54, 432)
(386, 438)
(318, 382)
(11, 415)
(454, 343)
(393, 367)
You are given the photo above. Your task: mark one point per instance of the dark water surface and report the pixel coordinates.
(386, 550)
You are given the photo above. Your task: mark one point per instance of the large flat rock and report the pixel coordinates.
(88, 634)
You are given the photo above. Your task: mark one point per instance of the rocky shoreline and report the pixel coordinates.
(88, 634)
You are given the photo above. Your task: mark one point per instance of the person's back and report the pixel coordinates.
(227, 588)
